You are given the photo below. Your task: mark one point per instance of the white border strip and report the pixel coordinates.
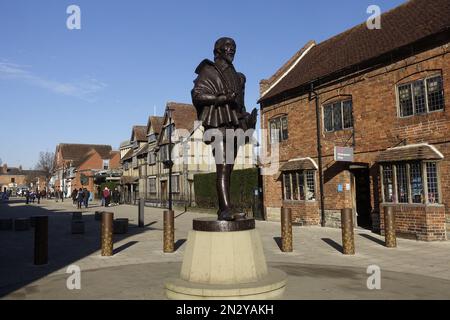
(289, 70)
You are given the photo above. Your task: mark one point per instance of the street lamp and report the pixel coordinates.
(169, 221)
(168, 163)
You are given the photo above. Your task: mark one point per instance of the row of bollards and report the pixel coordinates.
(40, 223)
(347, 225)
(108, 227)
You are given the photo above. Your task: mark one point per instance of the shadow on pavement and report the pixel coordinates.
(333, 244)
(124, 246)
(64, 248)
(380, 242)
(179, 243)
(278, 242)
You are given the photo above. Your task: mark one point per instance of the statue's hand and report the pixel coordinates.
(225, 98)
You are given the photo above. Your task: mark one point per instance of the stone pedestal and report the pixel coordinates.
(225, 260)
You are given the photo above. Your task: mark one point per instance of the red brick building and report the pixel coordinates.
(76, 164)
(12, 179)
(383, 92)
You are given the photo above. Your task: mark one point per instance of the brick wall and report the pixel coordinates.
(377, 127)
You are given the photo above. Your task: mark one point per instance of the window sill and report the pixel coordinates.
(299, 201)
(411, 205)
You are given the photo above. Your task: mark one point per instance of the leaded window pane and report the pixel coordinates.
(402, 183)
(284, 125)
(388, 183)
(294, 186)
(347, 111)
(406, 105)
(310, 183)
(337, 116)
(287, 186)
(432, 182)
(435, 93)
(328, 118)
(301, 183)
(273, 132)
(415, 170)
(419, 97)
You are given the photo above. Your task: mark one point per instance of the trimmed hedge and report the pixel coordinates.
(243, 183)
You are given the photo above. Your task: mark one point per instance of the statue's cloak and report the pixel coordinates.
(211, 81)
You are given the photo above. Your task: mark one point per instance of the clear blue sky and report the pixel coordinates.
(131, 57)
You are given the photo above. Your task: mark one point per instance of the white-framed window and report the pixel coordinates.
(126, 165)
(421, 96)
(413, 182)
(278, 129)
(338, 116)
(152, 185)
(299, 185)
(135, 162)
(105, 164)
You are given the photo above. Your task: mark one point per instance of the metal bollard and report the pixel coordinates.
(169, 231)
(286, 229)
(107, 234)
(348, 239)
(389, 227)
(41, 240)
(141, 212)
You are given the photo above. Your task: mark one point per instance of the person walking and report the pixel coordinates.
(86, 195)
(79, 198)
(107, 196)
(74, 196)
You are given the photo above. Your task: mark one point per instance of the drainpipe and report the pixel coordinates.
(319, 152)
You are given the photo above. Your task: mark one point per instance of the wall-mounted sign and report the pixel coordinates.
(343, 154)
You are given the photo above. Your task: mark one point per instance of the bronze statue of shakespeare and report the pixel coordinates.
(218, 96)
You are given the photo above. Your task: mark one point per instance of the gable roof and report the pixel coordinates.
(139, 133)
(156, 123)
(76, 152)
(183, 117)
(409, 23)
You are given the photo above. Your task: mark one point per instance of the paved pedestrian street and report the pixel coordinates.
(316, 268)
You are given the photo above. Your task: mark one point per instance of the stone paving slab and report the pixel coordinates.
(425, 265)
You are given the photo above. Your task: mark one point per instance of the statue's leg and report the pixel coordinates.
(223, 190)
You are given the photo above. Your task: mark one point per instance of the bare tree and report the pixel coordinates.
(45, 165)
(31, 178)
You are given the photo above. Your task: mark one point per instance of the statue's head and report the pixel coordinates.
(225, 48)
